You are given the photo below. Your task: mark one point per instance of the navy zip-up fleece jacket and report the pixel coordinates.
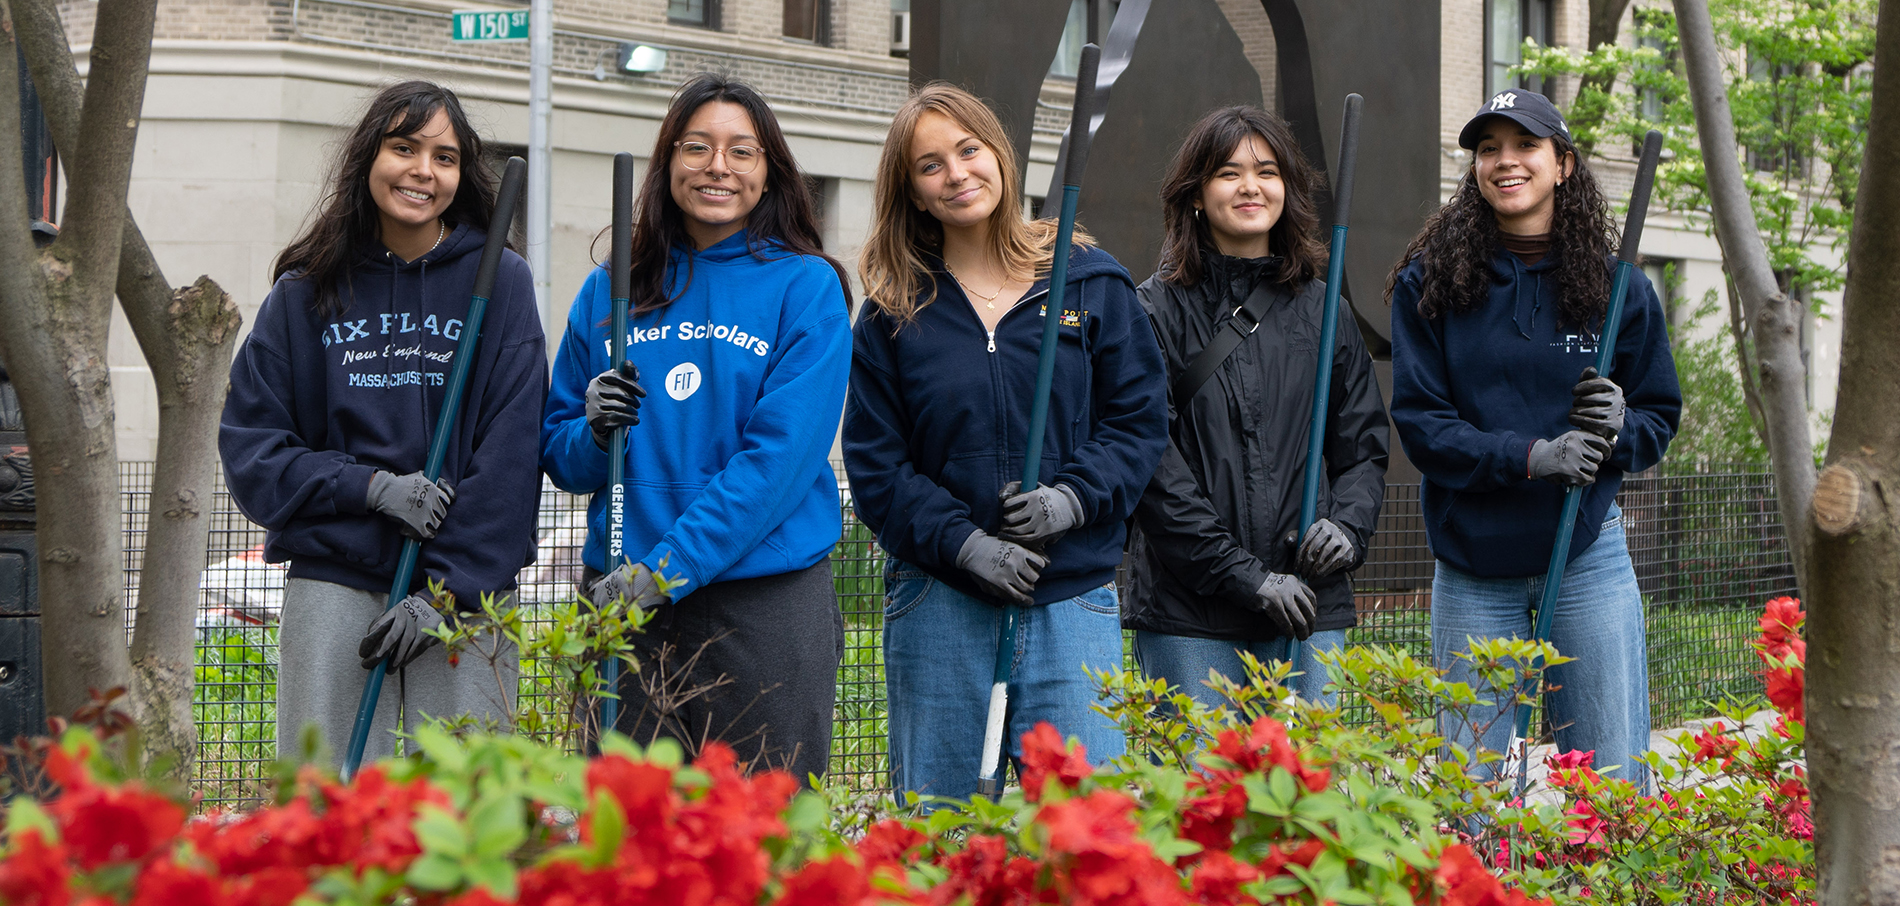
(938, 415)
(1472, 390)
(317, 404)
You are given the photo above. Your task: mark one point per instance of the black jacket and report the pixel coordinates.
(1218, 515)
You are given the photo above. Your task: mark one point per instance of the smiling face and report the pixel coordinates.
(954, 176)
(1244, 199)
(716, 200)
(413, 179)
(1518, 173)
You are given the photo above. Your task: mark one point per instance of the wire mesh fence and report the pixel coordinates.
(1706, 542)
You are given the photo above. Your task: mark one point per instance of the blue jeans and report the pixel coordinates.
(940, 657)
(1601, 700)
(1184, 661)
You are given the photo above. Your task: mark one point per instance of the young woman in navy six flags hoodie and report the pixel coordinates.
(333, 399)
(741, 328)
(943, 373)
(1496, 311)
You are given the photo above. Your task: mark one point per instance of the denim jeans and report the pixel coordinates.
(1601, 700)
(940, 657)
(1184, 661)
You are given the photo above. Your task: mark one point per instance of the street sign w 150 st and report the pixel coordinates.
(491, 25)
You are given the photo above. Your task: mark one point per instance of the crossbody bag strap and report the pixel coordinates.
(1245, 321)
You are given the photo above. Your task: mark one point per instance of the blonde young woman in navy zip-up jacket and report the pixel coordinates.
(943, 371)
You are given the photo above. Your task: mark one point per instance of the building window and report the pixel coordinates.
(703, 13)
(1506, 24)
(1088, 22)
(900, 28)
(808, 20)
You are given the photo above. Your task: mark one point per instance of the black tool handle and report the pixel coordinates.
(1082, 116)
(1639, 196)
(1348, 158)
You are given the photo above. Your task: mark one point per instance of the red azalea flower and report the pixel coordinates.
(1279, 857)
(122, 824)
(1209, 820)
(1711, 743)
(834, 882)
(644, 790)
(1466, 882)
(985, 873)
(1217, 881)
(166, 883)
(1781, 621)
(1266, 746)
(1787, 692)
(889, 843)
(35, 873)
(1045, 755)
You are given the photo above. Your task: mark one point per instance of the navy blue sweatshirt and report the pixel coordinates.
(939, 411)
(1472, 390)
(317, 404)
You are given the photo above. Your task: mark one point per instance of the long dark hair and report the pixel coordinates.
(1294, 237)
(347, 217)
(1460, 239)
(783, 215)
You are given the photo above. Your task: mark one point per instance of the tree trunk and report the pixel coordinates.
(186, 337)
(1606, 19)
(1854, 602)
(1774, 319)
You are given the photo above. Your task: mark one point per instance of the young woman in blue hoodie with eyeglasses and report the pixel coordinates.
(934, 436)
(333, 399)
(739, 347)
(1496, 311)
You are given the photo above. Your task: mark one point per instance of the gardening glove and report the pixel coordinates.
(634, 584)
(1571, 459)
(401, 634)
(613, 401)
(1008, 570)
(1038, 518)
(1326, 550)
(413, 501)
(1289, 603)
(1597, 405)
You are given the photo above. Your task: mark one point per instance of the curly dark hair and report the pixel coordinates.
(1460, 239)
(1208, 146)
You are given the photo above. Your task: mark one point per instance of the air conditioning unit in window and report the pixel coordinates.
(900, 34)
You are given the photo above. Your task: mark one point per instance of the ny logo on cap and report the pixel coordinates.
(1503, 100)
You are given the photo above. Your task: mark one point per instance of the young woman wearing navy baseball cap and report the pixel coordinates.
(1496, 310)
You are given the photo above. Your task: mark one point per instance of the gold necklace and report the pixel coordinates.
(989, 300)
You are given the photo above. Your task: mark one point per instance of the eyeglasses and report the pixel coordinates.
(739, 158)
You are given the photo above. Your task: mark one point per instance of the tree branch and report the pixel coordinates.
(16, 238)
(49, 59)
(1770, 313)
(1745, 364)
(100, 163)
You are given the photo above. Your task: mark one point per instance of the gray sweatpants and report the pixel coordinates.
(320, 679)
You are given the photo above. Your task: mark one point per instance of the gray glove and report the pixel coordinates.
(1007, 569)
(1597, 405)
(1039, 517)
(415, 503)
(401, 634)
(1571, 459)
(634, 584)
(1325, 551)
(613, 401)
(1289, 603)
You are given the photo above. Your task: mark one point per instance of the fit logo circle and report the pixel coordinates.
(682, 381)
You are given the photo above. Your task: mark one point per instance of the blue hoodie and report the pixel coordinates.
(727, 475)
(939, 413)
(1472, 390)
(318, 404)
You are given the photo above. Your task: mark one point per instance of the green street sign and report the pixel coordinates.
(490, 25)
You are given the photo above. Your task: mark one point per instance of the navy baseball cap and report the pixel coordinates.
(1529, 109)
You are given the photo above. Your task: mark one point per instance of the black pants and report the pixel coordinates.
(752, 663)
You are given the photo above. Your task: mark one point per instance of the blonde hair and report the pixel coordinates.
(891, 266)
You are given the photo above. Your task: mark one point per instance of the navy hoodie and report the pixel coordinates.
(1472, 390)
(317, 404)
(939, 411)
